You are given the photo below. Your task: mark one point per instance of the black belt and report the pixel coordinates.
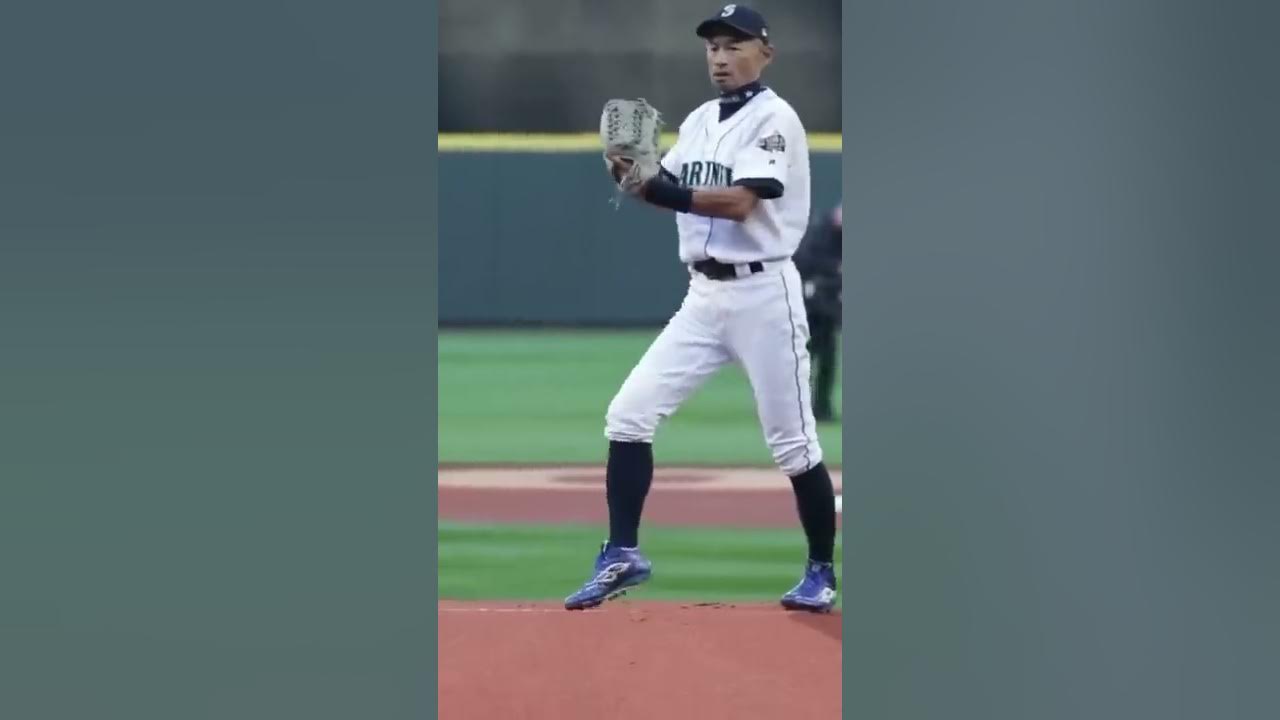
(717, 270)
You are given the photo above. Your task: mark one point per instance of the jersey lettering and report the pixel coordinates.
(706, 173)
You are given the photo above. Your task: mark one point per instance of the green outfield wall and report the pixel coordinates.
(528, 235)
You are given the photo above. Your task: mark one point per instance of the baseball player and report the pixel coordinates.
(819, 260)
(738, 182)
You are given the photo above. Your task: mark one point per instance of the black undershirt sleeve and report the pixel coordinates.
(764, 188)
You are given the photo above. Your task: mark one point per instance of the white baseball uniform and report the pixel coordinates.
(756, 319)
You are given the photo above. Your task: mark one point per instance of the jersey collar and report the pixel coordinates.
(732, 101)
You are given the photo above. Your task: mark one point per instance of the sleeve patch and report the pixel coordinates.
(773, 143)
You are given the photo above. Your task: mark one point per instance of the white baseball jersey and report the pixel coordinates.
(763, 140)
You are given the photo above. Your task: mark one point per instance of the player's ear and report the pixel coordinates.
(767, 50)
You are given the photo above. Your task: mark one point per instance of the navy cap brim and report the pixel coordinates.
(707, 28)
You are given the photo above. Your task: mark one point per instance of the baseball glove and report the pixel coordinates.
(630, 131)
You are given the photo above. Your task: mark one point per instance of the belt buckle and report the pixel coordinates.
(711, 269)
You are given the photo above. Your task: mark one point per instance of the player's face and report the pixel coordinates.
(733, 62)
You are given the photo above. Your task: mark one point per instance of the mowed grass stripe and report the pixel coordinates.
(540, 397)
(543, 562)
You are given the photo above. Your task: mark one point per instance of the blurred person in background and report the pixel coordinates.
(819, 259)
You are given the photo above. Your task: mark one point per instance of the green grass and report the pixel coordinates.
(542, 562)
(540, 397)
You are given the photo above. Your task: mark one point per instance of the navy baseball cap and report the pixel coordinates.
(737, 18)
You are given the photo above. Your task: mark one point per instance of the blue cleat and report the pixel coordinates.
(816, 592)
(615, 571)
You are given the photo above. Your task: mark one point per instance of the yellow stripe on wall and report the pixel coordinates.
(577, 142)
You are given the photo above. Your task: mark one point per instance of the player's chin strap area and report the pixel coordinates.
(716, 270)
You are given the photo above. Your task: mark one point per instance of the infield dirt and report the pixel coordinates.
(699, 497)
(628, 659)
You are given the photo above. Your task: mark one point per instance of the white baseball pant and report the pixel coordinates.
(758, 322)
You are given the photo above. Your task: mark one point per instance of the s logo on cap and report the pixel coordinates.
(728, 10)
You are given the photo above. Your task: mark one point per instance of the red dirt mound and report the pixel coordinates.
(636, 660)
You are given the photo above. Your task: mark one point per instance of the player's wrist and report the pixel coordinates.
(668, 195)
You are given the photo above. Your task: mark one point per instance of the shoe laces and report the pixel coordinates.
(817, 575)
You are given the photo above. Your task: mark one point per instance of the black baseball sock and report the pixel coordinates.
(816, 501)
(627, 480)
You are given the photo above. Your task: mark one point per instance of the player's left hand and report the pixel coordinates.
(630, 131)
(618, 168)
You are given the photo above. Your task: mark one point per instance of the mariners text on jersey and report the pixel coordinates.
(698, 173)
